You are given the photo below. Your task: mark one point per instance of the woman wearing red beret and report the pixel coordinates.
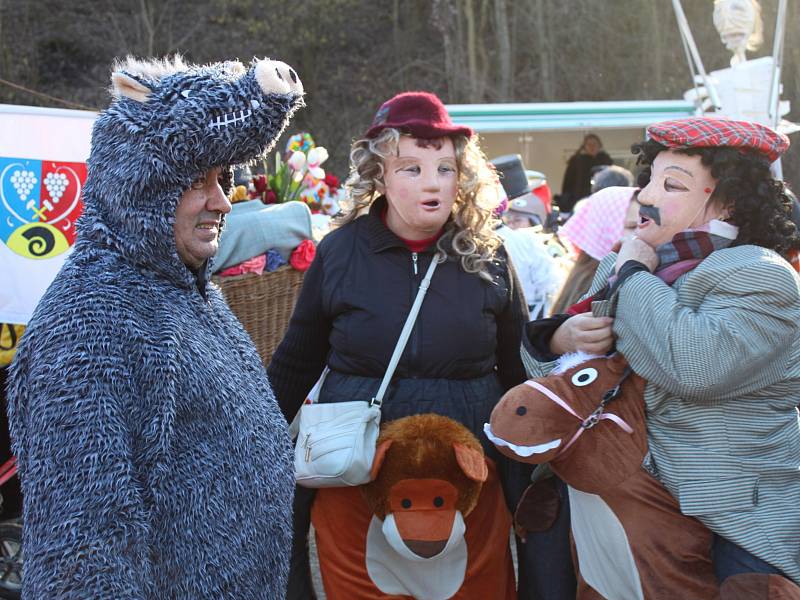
(704, 306)
(422, 191)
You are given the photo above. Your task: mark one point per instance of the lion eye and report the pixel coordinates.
(186, 93)
(584, 377)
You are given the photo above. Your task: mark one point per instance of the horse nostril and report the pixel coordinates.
(521, 410)
(405, 503)
(279, 74)
(438, 501)
(293, 75)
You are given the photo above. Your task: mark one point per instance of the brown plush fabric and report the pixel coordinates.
(758, 586)
(672, 551)
(431, 445)
(603, 456)
(341, 520)
(538, 508)
(426, 468)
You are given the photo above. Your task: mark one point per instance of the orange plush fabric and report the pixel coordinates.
(430, 480)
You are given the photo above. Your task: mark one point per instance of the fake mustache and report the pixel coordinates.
(650, 212)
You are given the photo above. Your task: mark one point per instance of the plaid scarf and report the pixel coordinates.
(688, 248)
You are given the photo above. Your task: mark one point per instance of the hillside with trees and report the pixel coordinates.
(352, 54)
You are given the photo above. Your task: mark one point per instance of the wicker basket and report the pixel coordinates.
(263, 304)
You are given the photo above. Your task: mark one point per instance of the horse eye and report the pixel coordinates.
(438, 501)
(584, 377)
(405, 503)
(186, 93)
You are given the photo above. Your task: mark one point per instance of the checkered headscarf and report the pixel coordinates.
(599, 221)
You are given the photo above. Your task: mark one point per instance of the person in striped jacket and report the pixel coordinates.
(704, 305)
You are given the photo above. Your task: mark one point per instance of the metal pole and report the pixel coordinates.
(777, 65)
(683, 26)
(774, 107)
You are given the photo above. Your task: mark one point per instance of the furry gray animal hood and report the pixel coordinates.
(168, 124)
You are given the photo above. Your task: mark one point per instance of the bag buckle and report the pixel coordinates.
(376, 402)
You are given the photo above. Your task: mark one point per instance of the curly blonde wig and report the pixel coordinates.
(469, 232)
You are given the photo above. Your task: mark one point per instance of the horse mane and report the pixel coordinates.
(573, 359)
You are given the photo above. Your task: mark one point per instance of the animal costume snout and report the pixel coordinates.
(276, 77)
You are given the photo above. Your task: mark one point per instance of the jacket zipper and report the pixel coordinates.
(414, 342)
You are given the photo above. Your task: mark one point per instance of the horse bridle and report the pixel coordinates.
(597, 415)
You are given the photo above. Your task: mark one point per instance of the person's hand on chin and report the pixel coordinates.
(638, 250)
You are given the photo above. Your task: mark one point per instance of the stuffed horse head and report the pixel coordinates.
(426, 477)
(586, 419)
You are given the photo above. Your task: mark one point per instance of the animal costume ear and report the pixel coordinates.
(377, 462)
(617, 363)
(124, 85)
(471, 462)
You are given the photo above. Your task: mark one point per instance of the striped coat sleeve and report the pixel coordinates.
(726, 332)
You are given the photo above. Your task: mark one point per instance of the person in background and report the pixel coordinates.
(577, 182)
(526, 207)
(600, 222)
(611, 176)
(422, 191)
(536, 268)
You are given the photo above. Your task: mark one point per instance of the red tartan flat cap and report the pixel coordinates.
(705, 132)
(420, 114)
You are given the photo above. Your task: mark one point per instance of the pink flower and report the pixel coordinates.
(303, 255)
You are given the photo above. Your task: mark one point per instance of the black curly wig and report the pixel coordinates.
(758, 204)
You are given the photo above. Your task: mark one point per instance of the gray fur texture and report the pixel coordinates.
(154, 460)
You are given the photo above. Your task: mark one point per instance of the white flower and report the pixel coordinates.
(297, 161)
(317, 156)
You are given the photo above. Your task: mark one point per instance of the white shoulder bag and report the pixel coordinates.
(336, 441)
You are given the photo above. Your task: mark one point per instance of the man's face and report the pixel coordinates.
(680, 186)
(198, 218)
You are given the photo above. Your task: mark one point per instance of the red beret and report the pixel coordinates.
(705, 132)
(420, 114)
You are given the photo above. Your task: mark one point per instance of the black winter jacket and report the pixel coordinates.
(355, 299)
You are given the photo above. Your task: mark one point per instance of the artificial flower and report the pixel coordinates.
(274, 260)
(239, 194)
(260, 183)
(296, 163)
(303, 255)
(317, 156)
(270, 197)
(332, 181)
(300, 141)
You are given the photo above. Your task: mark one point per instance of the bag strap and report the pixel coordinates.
(405, 334)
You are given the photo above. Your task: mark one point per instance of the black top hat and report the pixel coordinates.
(512, 175)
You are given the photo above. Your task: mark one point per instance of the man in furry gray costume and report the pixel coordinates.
(154, 460)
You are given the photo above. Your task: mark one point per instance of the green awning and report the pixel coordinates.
(548, 116)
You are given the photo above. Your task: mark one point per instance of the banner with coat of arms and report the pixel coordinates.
(40, 200)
